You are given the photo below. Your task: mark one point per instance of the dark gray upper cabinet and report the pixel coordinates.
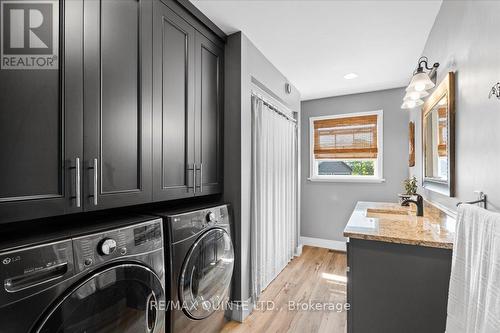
(208, 129)
(187, 110)
(123, 108)
(118, 103)
(173, 105)
(41, 111)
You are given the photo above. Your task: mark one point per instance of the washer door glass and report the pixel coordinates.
(206, 274)
(122, 298)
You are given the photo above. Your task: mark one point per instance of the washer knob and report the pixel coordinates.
(107, 246)
(210, 218)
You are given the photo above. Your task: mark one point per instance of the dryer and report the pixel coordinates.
(110, 281)
(200, 257)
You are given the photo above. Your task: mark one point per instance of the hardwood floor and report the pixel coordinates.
(317, 277)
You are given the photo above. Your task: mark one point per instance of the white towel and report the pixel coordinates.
(474, 295)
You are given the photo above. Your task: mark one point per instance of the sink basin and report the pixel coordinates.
(388, 213)
(398, 211)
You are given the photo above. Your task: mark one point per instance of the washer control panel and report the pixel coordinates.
(95, 249)
(187, 225)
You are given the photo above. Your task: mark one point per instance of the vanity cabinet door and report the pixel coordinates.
(208, 127)
(118, 98)
(173, 105)
(41, 109)
(397, 288)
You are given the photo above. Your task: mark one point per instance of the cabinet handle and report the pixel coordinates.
(201, 177)
(95, 181)
(77, 182)
(193, 169)
(77, 197)
(194, 178)
(94, 166)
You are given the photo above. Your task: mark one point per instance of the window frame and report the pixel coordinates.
(379, 174)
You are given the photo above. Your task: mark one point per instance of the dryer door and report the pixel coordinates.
(206, 274)
(122, 298)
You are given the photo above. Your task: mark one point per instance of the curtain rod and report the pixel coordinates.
(274, 108)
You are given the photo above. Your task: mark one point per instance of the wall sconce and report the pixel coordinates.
(420, 83)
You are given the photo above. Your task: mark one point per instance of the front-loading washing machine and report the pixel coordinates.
(109, 281)
(200, 258)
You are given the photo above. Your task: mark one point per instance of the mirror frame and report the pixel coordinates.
(445, 88)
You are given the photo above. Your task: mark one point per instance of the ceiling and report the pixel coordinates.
(315, 43)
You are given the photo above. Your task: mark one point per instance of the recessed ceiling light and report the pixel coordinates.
(350, 76)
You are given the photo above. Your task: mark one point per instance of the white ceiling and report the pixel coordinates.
(315, 43)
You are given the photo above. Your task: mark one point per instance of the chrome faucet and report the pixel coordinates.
(419, 202)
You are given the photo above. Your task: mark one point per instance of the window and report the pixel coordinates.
(347, 147)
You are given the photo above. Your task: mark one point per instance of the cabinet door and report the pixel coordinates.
(41, 108)
(208, 125)
(118, 75)
(173, 105)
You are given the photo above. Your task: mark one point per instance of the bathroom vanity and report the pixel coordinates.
(398, 268)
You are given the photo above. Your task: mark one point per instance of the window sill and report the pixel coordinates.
(346, 180)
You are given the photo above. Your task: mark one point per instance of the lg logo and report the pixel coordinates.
(29, 34)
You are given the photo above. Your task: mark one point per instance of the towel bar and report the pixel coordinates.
(482, 199)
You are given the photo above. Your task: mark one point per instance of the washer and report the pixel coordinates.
(110, 281)
(200, 256)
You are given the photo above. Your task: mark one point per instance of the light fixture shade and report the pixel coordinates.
(414, 95)
(420, 82)
(410, 104)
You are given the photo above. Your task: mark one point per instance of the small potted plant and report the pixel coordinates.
(410, 185)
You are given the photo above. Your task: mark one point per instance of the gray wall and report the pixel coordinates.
(465, 38)
(245, 64)
(325, 206)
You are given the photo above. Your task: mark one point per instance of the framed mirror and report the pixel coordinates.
(438, 138)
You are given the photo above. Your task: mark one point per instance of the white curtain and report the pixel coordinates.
(274, 194)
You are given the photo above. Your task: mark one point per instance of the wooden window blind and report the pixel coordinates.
(346, 138)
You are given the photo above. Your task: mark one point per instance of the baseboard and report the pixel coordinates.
(325, 243)
(241, 310)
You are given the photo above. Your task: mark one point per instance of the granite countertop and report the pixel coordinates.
(390, 222)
